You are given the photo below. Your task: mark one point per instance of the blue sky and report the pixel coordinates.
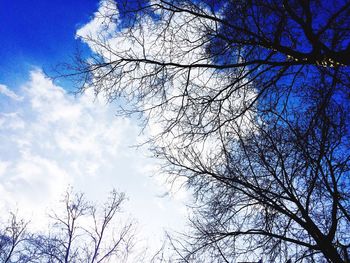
(38, 32)
(51, 139)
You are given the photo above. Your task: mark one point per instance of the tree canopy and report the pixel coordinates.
(79, 232)
(248, 103)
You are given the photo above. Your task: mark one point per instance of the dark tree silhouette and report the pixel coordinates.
(251, 99)
(281, 190)
(81, 232)
(13, 241)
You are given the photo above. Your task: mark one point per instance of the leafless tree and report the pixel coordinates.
(82, 233)
(173, 49)
(86, 234)
(122, 243)
(13, 241)
(251, 99)
(280, 191)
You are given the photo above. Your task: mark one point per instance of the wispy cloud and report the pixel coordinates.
(9, 93)
(51, 139)
(103, 23)
(143, 41)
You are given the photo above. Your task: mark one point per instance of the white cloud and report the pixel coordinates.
(9, 93)
(103, 23)
(51, 140)
(181, 38)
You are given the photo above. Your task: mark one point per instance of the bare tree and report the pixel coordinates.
(251, 100)
(82, 233)
(13, 241)
(193, 58)
(85, 234)
(121, 244)
(282, 191)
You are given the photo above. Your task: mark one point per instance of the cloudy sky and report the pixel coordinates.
(51, 139)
